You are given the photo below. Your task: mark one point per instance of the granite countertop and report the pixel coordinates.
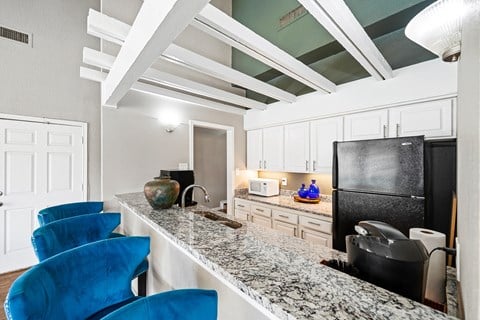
(281, 273)
(285, 200)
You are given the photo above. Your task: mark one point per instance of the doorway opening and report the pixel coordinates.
(212, 159)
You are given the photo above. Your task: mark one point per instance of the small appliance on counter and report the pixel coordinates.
(184, 178)
(387, 258)
(263, 187)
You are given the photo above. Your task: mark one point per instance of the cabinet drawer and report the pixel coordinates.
(242, 205)
(285, 216)
(266, 212)
(261, 220)
(316, 224)
(315, 237)
(241, 214)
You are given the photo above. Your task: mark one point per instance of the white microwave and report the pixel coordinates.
(263, 187)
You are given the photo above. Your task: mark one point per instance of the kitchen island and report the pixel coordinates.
(279, 276)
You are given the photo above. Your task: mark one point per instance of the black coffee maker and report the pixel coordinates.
(184, 178)
(387, 258)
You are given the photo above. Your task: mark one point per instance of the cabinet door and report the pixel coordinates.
(432, 119)
(285, 228)
(297, 147)
(273, 149)
(315, 237)
(263, 221)
(241, 215)
(366, 125)
(254, 150)
(322, 134)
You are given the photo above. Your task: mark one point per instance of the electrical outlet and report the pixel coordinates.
(183, 166)
(457, 258)
(284, 181)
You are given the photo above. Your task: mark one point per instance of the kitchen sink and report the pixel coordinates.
(220, 219)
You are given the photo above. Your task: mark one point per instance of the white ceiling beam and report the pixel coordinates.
(107, 28)
(220, 22)
(212, 68)
(103, 60)
(157, 24)
(339, 21)
(182, 97)
(93, 75)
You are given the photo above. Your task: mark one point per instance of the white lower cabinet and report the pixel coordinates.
(308, 226)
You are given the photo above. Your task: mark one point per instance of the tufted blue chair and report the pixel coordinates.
(61, 235)
(68, 210)
(186, 304)
(87, 282)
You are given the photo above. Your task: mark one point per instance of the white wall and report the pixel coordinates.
(424, 80)
(136, 146)
(468, 149)
(44, 81)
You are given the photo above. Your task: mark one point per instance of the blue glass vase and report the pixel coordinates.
(313, 191)
(302, 192)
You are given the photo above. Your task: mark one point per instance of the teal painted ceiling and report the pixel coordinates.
(304, 38)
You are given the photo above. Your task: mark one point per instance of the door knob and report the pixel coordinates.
(1, 204)
(1, 193)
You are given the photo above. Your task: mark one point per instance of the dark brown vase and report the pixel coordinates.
(161, 193)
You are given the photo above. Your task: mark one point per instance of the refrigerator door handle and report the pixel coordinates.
(417, 198)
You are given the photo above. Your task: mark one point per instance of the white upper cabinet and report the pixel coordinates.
(297, 147)
(432, 119)
(323, 133)
(254, 150)
(273, 149)
(366, 125)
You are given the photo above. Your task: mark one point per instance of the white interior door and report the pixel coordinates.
(40, 165)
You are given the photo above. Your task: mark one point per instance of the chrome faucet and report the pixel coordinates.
(206, 198)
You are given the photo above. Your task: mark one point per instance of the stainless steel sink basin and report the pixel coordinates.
(215, 217)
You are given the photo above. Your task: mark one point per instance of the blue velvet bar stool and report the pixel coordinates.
(87, 282)
(61, 235)
(186, 304)
(68, 210)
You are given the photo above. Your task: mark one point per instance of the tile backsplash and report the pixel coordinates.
(295, 180)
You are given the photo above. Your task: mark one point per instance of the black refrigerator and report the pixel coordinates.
(379, 180)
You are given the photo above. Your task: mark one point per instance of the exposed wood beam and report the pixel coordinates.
(98, 76)
(175, 95)
(218, 24)
(103, 60)
(339, 21)
(191, 60)
(157, 24)
(199, 63)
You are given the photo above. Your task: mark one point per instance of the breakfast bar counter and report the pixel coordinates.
(279, 274)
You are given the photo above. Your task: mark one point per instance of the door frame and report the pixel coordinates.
(230, 154)
(83, 125)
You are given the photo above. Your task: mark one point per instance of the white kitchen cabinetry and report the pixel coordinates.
(255, 149)
(273, 149)
(322, 134)
(310, 227)
(297, 147)
(366, 125)
(432, 119)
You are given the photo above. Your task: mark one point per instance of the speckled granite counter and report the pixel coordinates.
(323, 208)
(281, 273)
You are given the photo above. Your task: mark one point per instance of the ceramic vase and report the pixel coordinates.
(302, 192)
(161, 193)
(313, 190)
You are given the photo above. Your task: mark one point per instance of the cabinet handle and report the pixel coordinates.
(398, 130)
(314, 165)
(314, 223)
(384, 131)
(306, 165)
(301, 235)
(241, 205)
(294, 232)
(283, 216)
(264, 164)
(259, 164)
(260, 210)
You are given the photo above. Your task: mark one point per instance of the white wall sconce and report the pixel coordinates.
(170, 119)
(438, 28)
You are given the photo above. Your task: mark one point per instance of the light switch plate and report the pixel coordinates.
(284, 181)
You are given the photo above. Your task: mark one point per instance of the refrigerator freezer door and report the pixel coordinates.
(349, 208)
(387, 166)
